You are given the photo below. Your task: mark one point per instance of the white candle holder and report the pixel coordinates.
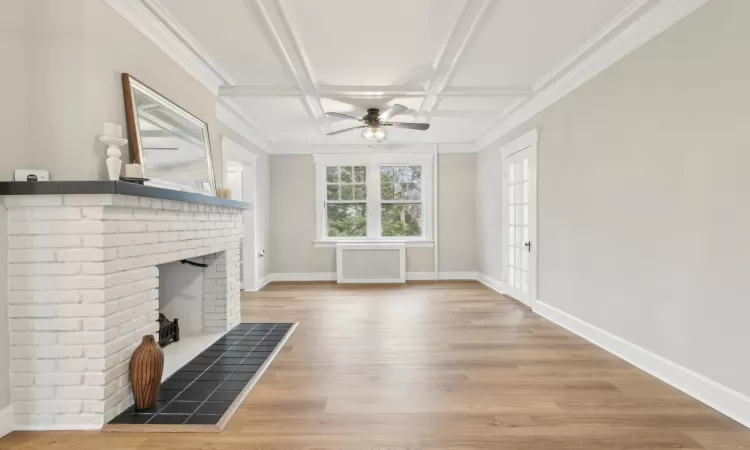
(114, 164)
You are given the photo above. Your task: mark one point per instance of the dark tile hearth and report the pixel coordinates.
(204, 389)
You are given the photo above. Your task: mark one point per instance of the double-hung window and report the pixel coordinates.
(374, 197)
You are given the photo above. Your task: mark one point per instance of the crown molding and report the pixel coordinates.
(174, 26)
(231, 116)
(625, 17)
(172, 40)
(611, 47)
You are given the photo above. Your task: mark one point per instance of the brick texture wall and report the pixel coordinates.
(83, 290)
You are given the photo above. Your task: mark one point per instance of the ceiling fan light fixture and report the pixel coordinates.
(374, 134)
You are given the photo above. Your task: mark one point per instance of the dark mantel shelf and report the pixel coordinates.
(112, 187)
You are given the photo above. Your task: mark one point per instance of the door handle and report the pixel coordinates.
(528, 246)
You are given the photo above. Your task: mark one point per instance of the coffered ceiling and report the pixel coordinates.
(464, 66)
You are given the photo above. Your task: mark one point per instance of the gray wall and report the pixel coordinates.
(13, 117)
(489, 186)
(293, 218)
(643, 185)
(457, 216)
(76, 51)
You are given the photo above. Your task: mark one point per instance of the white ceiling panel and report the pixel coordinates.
(373, 43)
(466, 103)
(281, 118)
(525, 39)
(457, 130)
(234, 38)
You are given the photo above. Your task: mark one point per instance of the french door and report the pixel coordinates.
(519, 214)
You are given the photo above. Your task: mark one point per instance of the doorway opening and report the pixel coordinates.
(240, 177)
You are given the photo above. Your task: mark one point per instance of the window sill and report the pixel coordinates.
(409, 244)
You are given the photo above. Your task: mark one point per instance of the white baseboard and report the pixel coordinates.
(6, 420)
(492, 283)
(719, 397)
(311, 276)
(457, 276)
(430, 276)
(263, 282)
(331, 276)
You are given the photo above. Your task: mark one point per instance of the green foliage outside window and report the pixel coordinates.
(400, 195)
(399, 184)
(346, 184)
(347, 219)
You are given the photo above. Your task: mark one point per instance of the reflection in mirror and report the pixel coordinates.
(171, 144)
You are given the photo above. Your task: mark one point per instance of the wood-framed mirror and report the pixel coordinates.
(170, 144)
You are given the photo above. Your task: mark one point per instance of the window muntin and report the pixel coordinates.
(401, 201)
(346, 201)
(374, 197)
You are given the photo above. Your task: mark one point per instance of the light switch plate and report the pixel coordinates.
(31, 175)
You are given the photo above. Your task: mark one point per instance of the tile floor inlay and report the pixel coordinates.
(204, 389)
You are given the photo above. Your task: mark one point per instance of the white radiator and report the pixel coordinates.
(371, 263)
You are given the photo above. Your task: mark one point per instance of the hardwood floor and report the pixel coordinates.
(448, 365)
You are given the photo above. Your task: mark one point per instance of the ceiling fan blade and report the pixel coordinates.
(391, 112)
(342, 116)
(333, 133)
(411, 126)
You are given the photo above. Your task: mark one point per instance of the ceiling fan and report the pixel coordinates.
(374, 123)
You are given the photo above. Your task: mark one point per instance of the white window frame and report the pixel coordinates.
(373, 162)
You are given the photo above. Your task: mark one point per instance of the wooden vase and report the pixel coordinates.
(146, 367)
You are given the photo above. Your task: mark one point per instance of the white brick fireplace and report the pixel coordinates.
(83, 290)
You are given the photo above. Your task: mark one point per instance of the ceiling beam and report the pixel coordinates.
(278, 26)
(473, 16)
(258, 91)
(375, 91)
(370, 91)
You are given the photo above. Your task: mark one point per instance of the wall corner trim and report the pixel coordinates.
(727, 401)
(6, 420)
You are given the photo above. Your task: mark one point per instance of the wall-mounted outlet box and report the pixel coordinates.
(31, 175)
